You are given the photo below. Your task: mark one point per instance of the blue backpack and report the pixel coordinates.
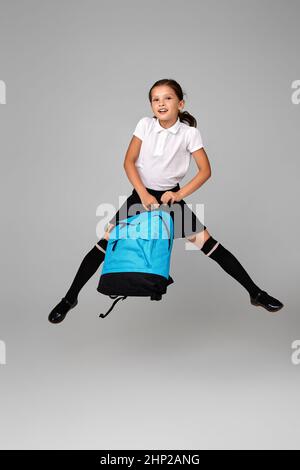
(137, 259)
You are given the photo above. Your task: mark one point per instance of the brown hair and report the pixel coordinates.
(184, 116)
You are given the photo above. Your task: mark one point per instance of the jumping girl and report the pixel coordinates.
(157, 158)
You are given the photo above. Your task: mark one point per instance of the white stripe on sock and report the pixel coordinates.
(100, 248)
(213, 249)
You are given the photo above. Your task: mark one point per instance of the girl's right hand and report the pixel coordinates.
(149, 200)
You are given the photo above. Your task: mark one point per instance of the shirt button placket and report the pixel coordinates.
(160, 143)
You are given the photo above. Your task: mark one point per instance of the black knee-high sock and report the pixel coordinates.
(87, 268)
(230, 264)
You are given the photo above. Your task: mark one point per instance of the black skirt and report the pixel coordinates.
(185, 221)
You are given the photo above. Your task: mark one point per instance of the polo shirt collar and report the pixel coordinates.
(173, 129)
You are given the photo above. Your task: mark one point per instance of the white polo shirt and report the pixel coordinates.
(165, 154)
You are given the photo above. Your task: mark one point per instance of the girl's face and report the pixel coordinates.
(163, 97)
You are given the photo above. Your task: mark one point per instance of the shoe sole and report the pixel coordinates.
(269, 310)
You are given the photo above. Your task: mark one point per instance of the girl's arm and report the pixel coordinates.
(131, 157)
(203, 174)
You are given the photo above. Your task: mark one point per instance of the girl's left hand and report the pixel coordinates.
(170, 196)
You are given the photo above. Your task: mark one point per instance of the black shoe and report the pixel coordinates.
(262, 299)
(60, 311)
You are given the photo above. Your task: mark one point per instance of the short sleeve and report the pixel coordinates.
(195, 141)
(139, 130)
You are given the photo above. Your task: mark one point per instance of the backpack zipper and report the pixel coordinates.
(114, 245)
(144, 254)
(167, 228)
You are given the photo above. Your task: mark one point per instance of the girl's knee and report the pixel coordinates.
(199, 238)
(108, 229)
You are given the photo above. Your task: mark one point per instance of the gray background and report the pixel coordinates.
(203, 368)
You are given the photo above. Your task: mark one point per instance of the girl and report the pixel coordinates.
(156, 160)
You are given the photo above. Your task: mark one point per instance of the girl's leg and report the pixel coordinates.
(87, 268)
(90, 264)
(214, 250)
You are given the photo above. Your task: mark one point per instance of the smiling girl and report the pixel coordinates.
(157, 158)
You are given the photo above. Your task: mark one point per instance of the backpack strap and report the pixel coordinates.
(102, 315)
